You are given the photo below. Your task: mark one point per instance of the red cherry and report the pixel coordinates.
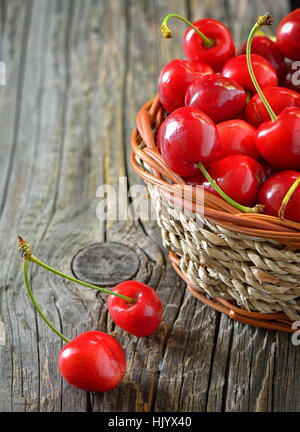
(93, 361)
(184, 169)
(221, 50)
(236, 137)
(195, 180)
(188, 136)
(238, 176)
(140, 318)
(278, 141)
(274, 190)
(266, 48)
(270, 171)
(174, 80)
(278, 97)
(288, 35)
(219, 97)
(291, 78)
(236, 69)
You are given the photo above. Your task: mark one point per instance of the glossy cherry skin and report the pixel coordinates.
(278, 97)
(239, 177)
(174, 80)
(291, 78)
(93, 361)
(278, 142)
(274, 190)
(184, 169)
(236, 69)
(217, 55)
(219, 97)
(195, 180)
(236, 137)
(140, 318)
(266, 48)
(288, 35)
(188, 136)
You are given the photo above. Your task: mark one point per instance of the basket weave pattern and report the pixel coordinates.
(244, 265)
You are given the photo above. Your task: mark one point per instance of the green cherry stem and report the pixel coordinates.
(29, 290)
(256, 209)
(25, 251)
(256, 112)
(262, 20)
(207, 42)
(287, 197)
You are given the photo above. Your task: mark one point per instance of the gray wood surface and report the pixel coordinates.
(77, 73)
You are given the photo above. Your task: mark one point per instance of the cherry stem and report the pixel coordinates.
(287, 197)
(207, 42)
(256, 209)
(248, 96)
(25, 269)
(25, 251)
(266, 19)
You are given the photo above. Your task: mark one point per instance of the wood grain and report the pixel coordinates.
(77, 74)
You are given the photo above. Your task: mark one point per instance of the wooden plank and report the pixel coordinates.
(242, 16)
(138, 390)
(71, 140)
(185, 350)
(33, 200)
(14, 49)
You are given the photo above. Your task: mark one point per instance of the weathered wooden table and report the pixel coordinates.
(77, 73)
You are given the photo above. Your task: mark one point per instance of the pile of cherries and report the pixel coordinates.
(232, 121)
(95, 361)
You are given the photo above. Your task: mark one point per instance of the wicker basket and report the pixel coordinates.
(243, 265)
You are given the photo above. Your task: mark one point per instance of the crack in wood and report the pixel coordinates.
(65, 99)
(226, 375)
(216, 334)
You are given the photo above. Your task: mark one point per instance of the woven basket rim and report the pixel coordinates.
(216, 209)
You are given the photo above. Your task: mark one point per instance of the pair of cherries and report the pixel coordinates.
(216, 121)
(95, 361)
